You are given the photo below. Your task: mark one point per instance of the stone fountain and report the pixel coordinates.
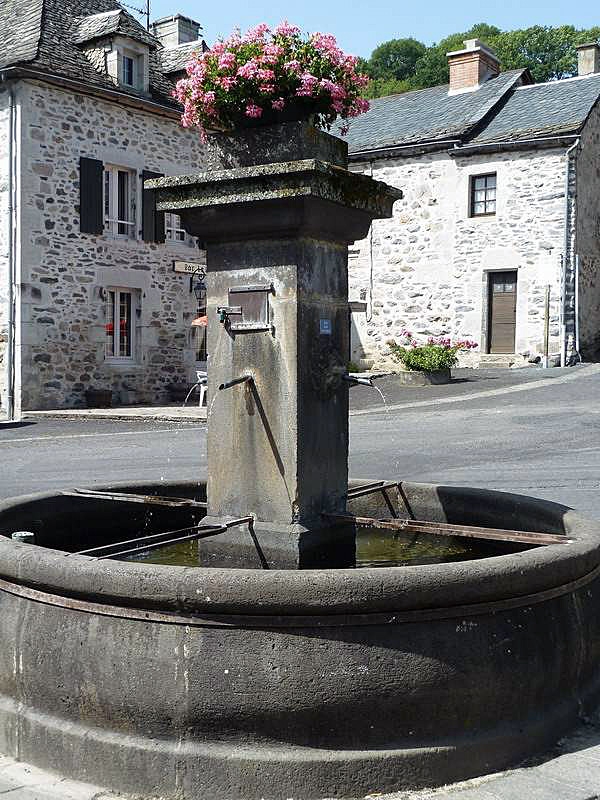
(276, 211)
(274, 669)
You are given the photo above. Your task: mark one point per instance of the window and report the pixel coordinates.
(119, 202)
(199, 333)
(483, 195)
(119, 327)
(128, 69)
(173, 229)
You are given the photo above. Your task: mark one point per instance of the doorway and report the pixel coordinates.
(502, 311)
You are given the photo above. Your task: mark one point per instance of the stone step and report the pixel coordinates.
(500, 360)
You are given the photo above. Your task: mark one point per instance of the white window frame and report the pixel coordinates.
(119, 218)
(129, 58)
(113, 317)
(174, 233)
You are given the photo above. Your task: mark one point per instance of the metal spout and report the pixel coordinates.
(355, 379)
(235, 381)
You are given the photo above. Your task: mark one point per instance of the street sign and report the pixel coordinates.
(188, 267)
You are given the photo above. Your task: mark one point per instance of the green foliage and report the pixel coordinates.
(426, 358)
(395, 59)
(548, 52)
(382, 87)
(432, 68)
(438, 352)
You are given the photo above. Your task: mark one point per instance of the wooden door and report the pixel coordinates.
(502, 312)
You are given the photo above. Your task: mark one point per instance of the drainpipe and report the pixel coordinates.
(577, 308)
(567, 258)
(10, 345)
(370, 311)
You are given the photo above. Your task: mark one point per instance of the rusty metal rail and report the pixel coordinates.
(371, 488)
(146, 499)
(451, 529)
(157, 540)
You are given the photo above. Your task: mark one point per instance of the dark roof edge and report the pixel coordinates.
(539, 143)
(501, 97)
(416, 148)
(593, 107)
(122, 98)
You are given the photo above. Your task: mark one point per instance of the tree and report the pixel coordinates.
(549, 53)
(395, 59)
(432, 68)
(382, 87)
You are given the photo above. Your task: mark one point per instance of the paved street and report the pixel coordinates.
(530, 431)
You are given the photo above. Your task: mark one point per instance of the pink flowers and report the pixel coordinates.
(262, 72)
(307, 85)
(227, 60)
(253, 111)
(438, 353)
(285, 29)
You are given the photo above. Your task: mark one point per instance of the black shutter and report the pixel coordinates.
(153, 221)
(90, 195)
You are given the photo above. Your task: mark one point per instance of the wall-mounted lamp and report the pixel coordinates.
(198, 286)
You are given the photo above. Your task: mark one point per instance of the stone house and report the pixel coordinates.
(497, 238)
(88, 293)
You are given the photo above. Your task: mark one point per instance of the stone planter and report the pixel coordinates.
(420, 378)
(99, 398)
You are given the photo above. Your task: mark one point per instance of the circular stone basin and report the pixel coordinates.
(235, 683)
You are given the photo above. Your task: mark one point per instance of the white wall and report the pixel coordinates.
(429, 263)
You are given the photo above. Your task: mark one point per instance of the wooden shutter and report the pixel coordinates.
(153, 221)
(90, 195)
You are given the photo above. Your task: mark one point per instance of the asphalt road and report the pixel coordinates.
(535, 432)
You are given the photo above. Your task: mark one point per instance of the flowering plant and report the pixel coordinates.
(437, 353)
(270, 75)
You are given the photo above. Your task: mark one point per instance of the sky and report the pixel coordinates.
(361, 25)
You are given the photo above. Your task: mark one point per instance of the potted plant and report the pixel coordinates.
(429, 362)
(267, 76)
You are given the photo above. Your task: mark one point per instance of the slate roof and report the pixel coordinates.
(427, 114)
(49, 36)
(108, 23)
(174, 59)
(501, 110)
(20, 29)
(543, 109)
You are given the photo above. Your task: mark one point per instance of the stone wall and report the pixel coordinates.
(427, 268)
(4, 229)
(588, 235)
(64, 273)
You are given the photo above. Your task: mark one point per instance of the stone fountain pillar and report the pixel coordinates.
(276, 209)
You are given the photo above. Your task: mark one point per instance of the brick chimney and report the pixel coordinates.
(588, 58)
(471, 67)
(175, 30)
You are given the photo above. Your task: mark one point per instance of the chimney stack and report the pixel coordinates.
(588, 58)
(175, 30)
(471, 67)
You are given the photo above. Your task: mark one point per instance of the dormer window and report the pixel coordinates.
(116, 44)
(132, 64)
(128, 76)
